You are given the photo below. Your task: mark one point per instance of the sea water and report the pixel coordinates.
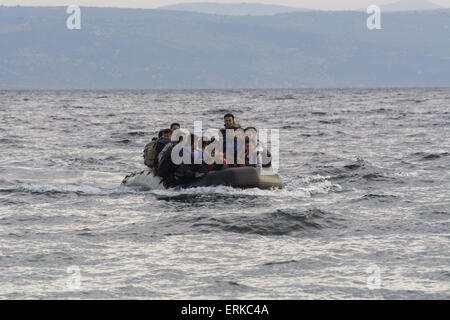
(364, 213)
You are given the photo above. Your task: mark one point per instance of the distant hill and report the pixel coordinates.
(233, 9)
(410, 5)
(146, 49)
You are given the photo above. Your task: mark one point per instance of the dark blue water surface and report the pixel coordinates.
(364, 214)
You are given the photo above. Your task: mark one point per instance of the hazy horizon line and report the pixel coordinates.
(306, 10)
(163, 7)
(237, 88)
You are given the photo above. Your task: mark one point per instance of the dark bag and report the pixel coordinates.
(150, 154)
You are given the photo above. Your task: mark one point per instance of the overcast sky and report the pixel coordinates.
(313, 4)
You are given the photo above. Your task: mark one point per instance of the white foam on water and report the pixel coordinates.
(303, 187)
(297, 188)
(319, 185)
(70, 188)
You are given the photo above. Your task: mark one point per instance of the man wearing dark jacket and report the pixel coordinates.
(165, 139)
(229, 123)
(174, 175)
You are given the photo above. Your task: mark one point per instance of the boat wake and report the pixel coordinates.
(297, 187)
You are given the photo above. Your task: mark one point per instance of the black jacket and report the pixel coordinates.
(224, 139)
(158, 148)
(175, 175)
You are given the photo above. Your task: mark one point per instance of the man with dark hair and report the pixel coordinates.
(166, 136)
(150, 152)
(260, 156)
(175, 175)
(230, 124)
(174, 126)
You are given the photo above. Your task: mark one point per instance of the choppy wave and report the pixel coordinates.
(300, 188)
(279, 222)
(83, 189)
(365, 175)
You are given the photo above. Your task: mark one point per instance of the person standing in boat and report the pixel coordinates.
(230, 124)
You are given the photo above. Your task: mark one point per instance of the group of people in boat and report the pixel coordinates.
(204, 154)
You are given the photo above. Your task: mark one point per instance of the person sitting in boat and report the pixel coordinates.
(219, 161)
(198, 155)
(229, 122)
(174, 175)
(253, 148)
(154, 148)
(256, 154)
(175, 126)
(162, 142)
(150, 151)
(253, 157)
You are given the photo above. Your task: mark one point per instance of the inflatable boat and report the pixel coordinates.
(244, 178)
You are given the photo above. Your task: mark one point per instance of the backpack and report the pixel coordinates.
(150, 153)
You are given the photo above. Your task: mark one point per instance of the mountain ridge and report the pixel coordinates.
(161, 49)
(410, 5)
(233, 9)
